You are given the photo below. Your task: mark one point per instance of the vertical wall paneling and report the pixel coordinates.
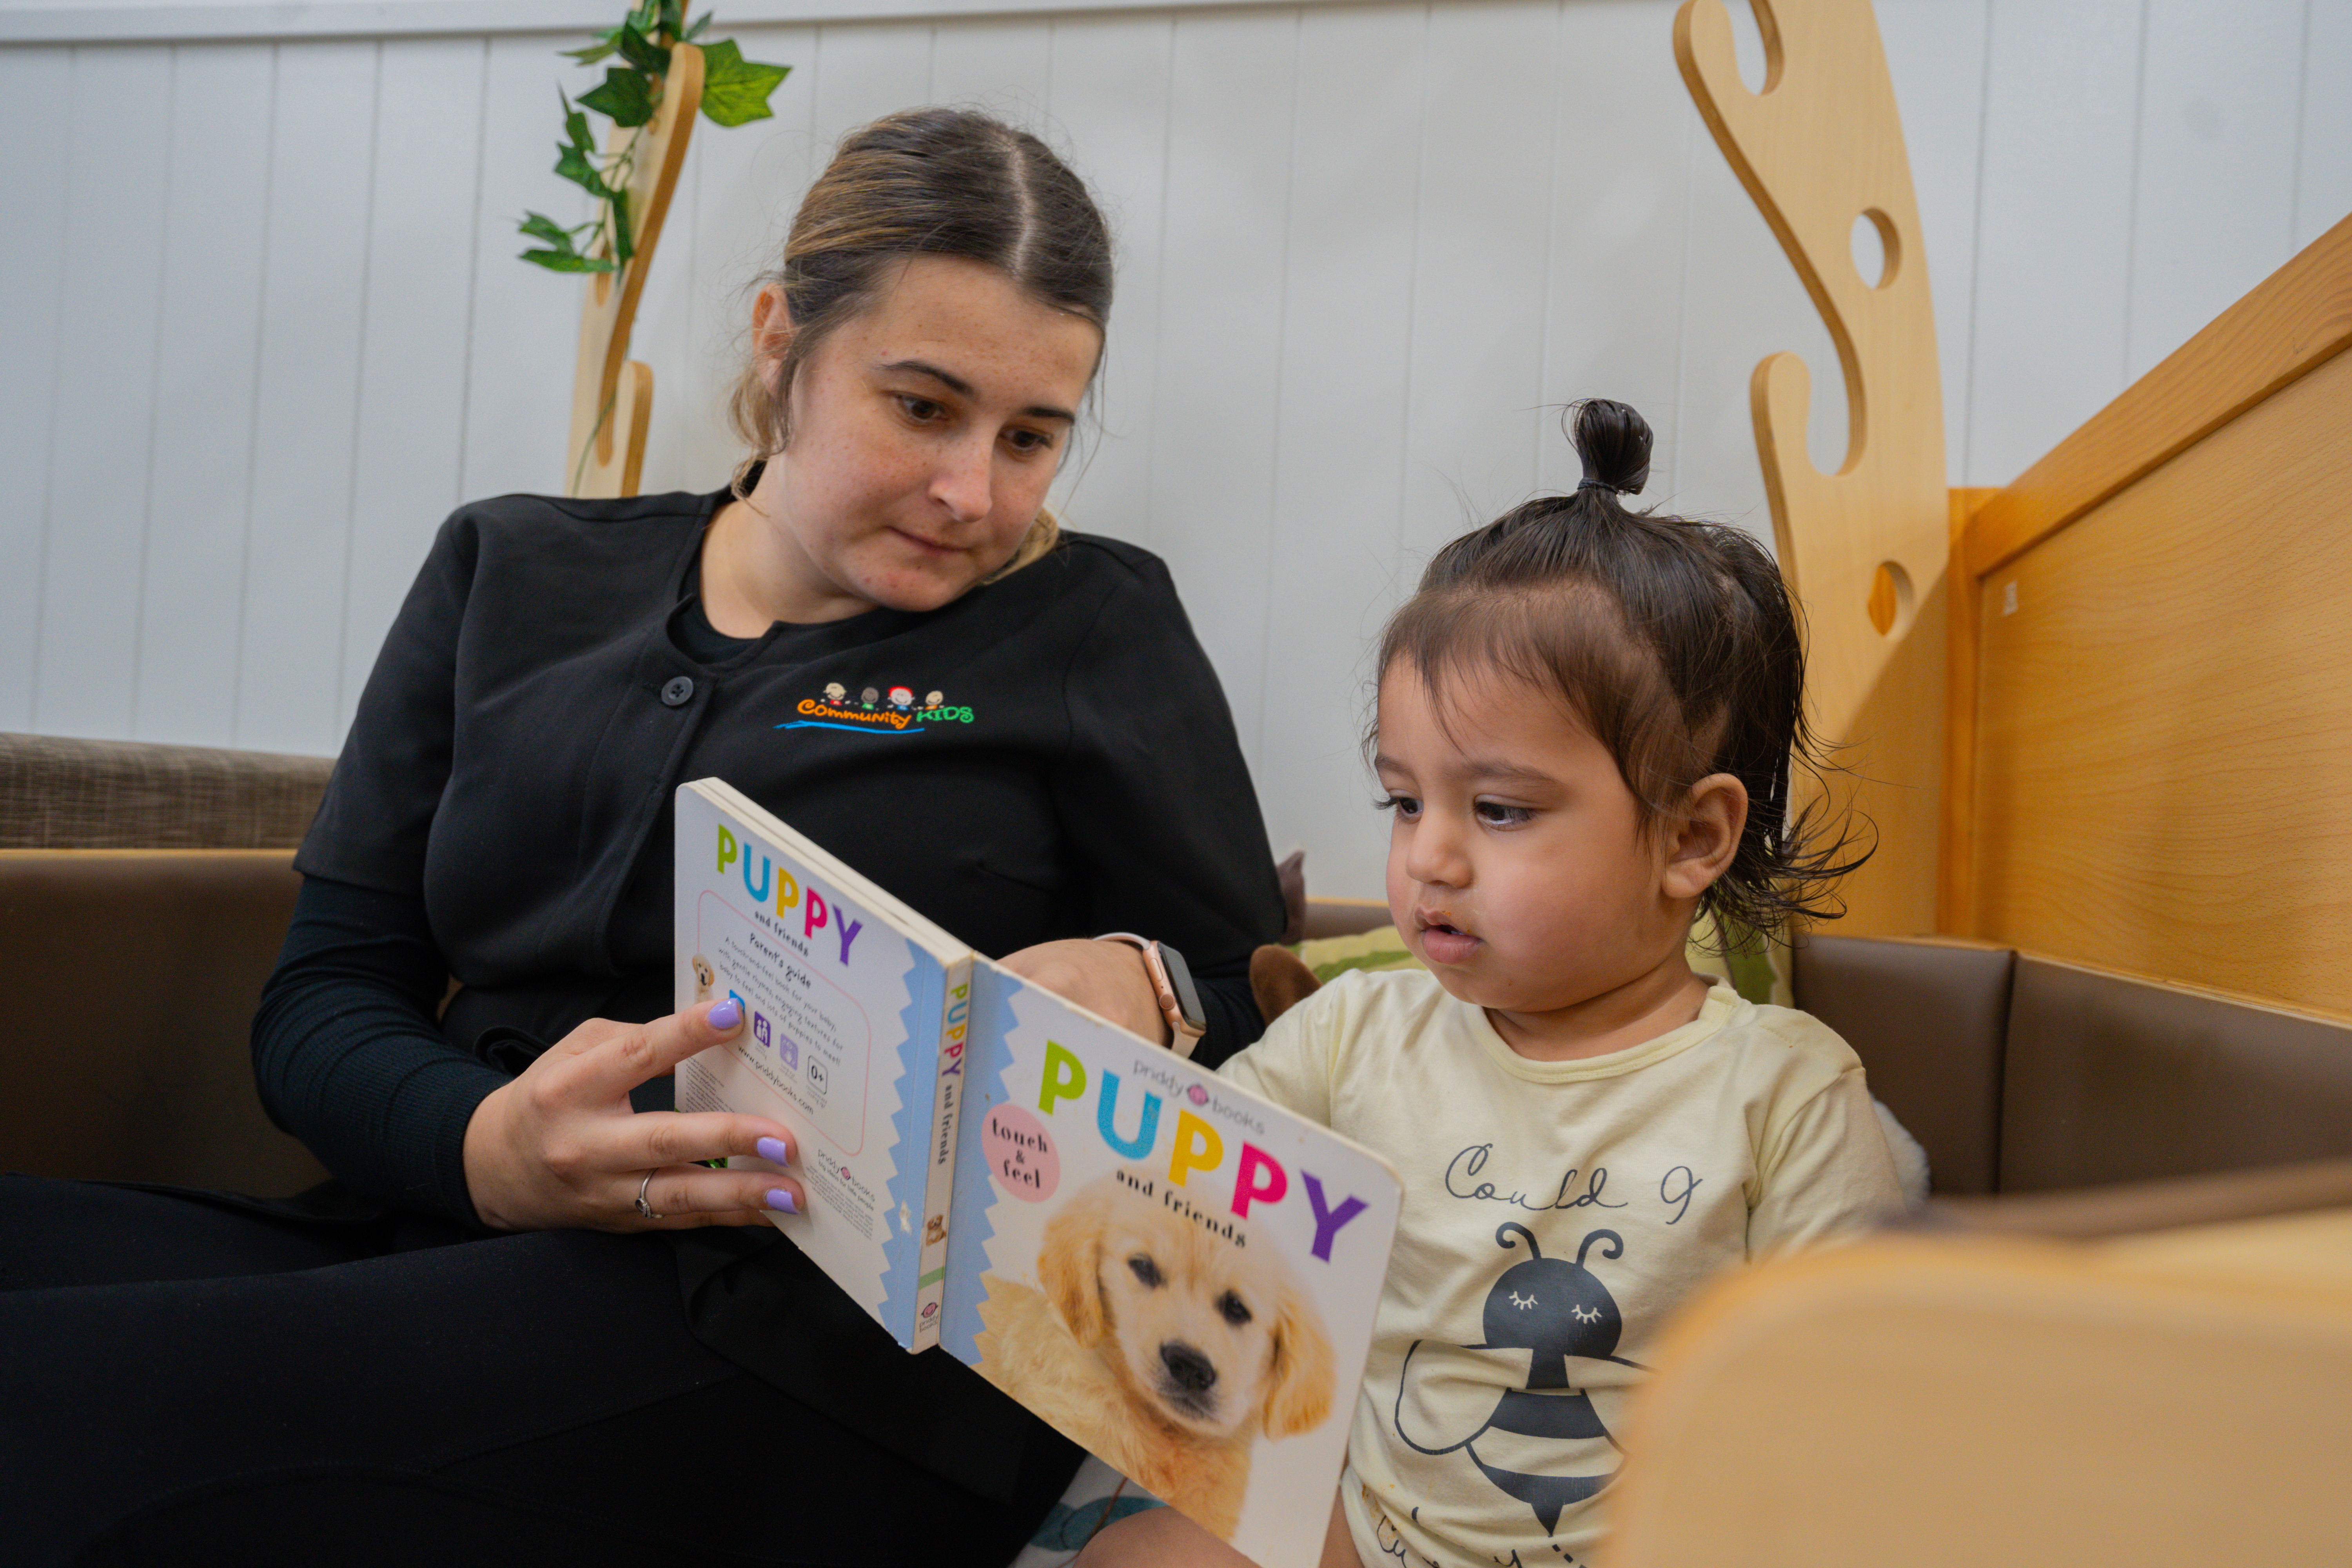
(1347, 305)
(1620, 207)
(2215, 214)
(105, 385)
(2053, 241)
(262, 330)
(1936, 55)
(316, 282)
(199, 489)
(412, 387)
(1741, 301)
(35, 95)
(743, 183)
(866, 71)
(1109, 78)
(2324, 157)
(1481, 267)
(1002, 66)
(522, 333)
(1213, 435)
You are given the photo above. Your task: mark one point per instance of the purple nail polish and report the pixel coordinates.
(782, 1200)
(772, 1151)
(727, 1015)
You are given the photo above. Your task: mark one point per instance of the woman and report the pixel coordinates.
(500, 813)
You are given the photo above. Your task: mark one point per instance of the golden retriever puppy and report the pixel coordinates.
(1160, 1344)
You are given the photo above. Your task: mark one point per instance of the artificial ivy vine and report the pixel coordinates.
(734, 91)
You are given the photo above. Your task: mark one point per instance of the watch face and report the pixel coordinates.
(1179, 980)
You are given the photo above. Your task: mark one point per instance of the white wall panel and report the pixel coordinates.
(1480, 268)
(1005, 66)
(1110, 104)
(2324, 156)
(864, 72)
(35, 89)
(2055, 227)
(1619, 203)
(267, 330)
(1936, 55)
(323, 158)
(746, 181)
(2215, 214)
(523, 326)
(1339, 485)
(199, 486)
(1741, 301)
(117, 177)
(411, 385)
(1213, 442)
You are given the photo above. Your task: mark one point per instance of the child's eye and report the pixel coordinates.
(1404, 805)
(1495, 814)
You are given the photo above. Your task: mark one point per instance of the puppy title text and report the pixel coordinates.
(1193, 1147)
(817, 913)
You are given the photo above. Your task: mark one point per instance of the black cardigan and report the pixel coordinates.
(502, 812)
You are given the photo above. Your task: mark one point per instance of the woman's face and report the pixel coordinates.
(924, 433)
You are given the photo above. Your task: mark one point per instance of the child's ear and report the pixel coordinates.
(1700, 845)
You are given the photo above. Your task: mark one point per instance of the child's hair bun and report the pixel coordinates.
(1614, 443)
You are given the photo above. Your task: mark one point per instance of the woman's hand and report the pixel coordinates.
(560, 1146)
(1104, 977)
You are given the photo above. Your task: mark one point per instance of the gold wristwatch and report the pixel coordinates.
(1171, 982)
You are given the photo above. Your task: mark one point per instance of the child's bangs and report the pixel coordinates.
(1566, 641)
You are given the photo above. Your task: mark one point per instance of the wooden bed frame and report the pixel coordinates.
(2124, 685)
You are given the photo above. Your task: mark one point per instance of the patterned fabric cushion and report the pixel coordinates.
(62, 794)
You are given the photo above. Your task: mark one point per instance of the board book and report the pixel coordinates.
(1178, 1275)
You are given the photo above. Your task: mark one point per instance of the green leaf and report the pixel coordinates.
(539, 225)
(576, 125)
(574, 166)
(642, 52)
(672, 17)
(695, 31)
(627, 97)
(595, 51)
(569, 261)
(734, 90)
(625, 244)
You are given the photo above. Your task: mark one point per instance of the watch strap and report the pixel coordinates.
(1183, 1032)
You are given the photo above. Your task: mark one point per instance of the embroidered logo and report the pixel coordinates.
(875, 711)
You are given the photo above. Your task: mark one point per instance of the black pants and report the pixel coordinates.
(185, 1379)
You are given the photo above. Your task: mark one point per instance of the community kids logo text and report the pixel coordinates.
(875, 711)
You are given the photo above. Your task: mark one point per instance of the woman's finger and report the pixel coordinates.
(634, 1053)
(685, 1195)
(653, 1139)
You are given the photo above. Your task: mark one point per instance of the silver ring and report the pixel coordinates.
(644, 1207)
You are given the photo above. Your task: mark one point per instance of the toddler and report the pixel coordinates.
(1585, 726)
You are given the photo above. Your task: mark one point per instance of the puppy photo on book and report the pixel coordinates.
(1164, 1345)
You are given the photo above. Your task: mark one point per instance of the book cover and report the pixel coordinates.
(1178, 1275)
(850, 1000)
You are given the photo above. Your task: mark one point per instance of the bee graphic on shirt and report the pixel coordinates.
(1553, 1309)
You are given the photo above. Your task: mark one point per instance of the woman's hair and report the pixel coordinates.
(924, 182)
(1673, 641)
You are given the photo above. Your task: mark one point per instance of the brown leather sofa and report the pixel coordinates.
(2024, 1077)
(145, 890)
(143, 893)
